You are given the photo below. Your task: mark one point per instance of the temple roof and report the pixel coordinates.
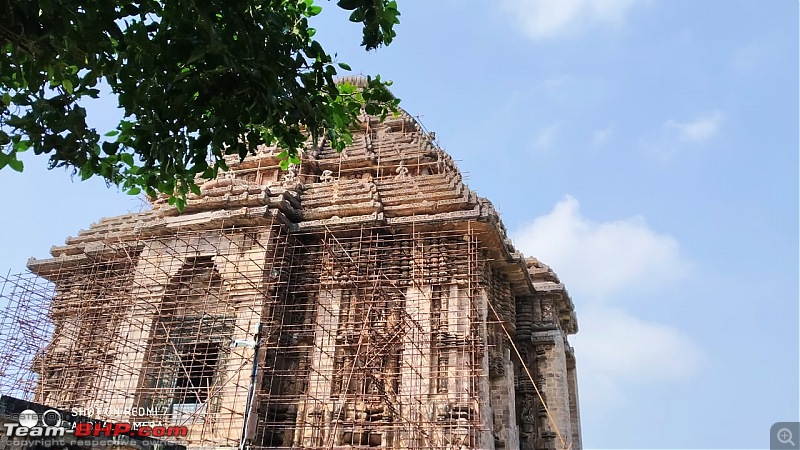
(393, 175)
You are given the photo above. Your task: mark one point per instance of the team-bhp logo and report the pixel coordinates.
(125, 429)
(51, 425)
(29, 425)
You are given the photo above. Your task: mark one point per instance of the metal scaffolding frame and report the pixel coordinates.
(348, 338)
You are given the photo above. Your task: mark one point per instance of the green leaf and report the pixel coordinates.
(197, 53)
(21, 146)
(134, 191)
(348, 5)
(110, 148)
(67, 84)
(15, 164)
(85, 172)
(180, 203)
(127, 158)
(250, 82)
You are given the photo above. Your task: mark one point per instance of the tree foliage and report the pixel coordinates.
(196, 80)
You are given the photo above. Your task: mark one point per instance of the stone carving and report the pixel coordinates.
(527, 415)
(326, 176)
(389, 254)
(291, 174)
(402, 171)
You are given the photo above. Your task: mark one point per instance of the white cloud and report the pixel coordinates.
(600, 137)
(544, 19)
(553, 86)
(748, 57)
(612, 11)
(545, 136)
(601, 262)
(674, 137)
(699, 130)
(601, 259)
(616, 350)
(621, 346)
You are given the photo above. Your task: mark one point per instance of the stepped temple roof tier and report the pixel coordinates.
(394, 174)
(362, 299)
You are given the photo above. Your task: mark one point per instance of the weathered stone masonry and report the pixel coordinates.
(373, 290)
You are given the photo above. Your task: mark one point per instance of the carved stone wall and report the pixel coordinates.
(367, 299)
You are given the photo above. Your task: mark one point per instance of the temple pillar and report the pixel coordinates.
(241, 269)
(574, 405)
(503, 399)
(157, 265)
(485, 438)
(417, 411)
(552, 369)
(319, 408)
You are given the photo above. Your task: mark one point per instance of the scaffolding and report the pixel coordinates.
(357, 337)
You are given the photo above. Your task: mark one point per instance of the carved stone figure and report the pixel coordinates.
(402, 171)
(326, 176)
(291, 174)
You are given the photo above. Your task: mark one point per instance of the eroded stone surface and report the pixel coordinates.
(390, 307)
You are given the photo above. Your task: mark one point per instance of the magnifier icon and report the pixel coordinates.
(785, 436)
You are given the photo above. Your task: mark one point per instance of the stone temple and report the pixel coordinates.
(361, 300)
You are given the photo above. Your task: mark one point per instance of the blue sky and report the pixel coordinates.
(646, 149)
